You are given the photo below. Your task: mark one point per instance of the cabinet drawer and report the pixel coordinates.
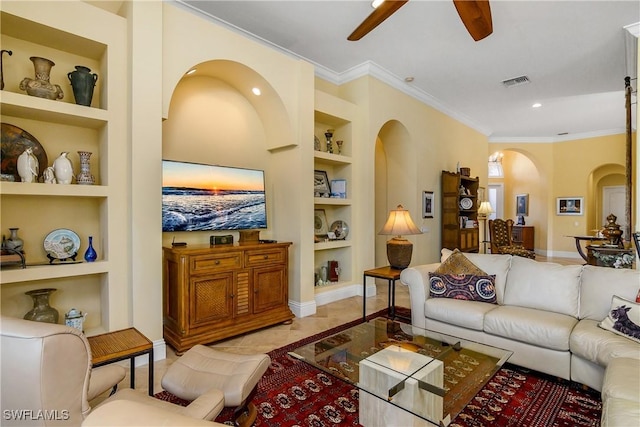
(217, 262)
(267, 256)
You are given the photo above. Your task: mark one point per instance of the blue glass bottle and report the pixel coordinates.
(90, 254)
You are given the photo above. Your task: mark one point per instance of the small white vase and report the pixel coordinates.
(63, 169)
(28, 166)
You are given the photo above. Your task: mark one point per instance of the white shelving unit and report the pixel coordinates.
(51, 30)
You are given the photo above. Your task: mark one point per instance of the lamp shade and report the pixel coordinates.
(485, 208)
(399, 223)
(399, 249)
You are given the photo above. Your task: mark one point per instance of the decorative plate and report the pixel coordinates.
(340, 228)
(466, 203)
(14, 141)
(62, 244)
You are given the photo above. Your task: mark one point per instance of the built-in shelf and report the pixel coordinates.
(333, 244)
(54, 271)
(331, 201)
(329, 158)
(46, 110)
(52, 190)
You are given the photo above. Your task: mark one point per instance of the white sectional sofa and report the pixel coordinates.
(548, 315)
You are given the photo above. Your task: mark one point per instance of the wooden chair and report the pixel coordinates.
(500, 237)
(636, 240)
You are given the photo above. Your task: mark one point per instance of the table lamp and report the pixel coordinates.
(399, 249)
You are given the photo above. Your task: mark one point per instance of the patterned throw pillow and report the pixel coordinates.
(457, 263)
(623, 319)
(469, 287)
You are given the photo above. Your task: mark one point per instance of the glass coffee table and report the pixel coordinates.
(406, 376)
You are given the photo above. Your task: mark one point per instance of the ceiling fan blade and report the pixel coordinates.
(376, 17)
(476, 16)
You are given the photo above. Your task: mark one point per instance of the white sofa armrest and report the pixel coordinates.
(417, 279)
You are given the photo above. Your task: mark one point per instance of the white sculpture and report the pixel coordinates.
(48, 176)
(28, 166)
(63, 168)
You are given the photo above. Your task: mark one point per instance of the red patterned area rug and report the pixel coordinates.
(293, 393)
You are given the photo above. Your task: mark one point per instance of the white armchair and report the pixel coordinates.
(47, 379)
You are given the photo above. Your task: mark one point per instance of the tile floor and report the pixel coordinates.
(263, 341)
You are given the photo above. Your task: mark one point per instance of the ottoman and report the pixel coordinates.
(202, 368)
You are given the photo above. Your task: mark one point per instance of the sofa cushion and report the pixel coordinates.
(457, 263)
(597, 345)
(467, 287)
(492, 264)
(536, 327)
(599, 284)
(466, 314)
(543, 286)
(623, 319)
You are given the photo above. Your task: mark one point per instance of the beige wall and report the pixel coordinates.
(546, 171)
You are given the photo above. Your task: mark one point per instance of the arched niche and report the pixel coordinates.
(214, 104)
(395, 168)
(521, 169)
(606, 175)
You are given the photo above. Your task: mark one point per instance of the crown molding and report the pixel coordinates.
(554, 139)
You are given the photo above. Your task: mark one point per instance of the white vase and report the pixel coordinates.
(63, 169)
(28, 166)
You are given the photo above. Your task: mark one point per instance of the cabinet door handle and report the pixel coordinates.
(232, 296)
(217, 262)
(266, 257)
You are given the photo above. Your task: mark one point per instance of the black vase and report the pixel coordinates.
(82, 82)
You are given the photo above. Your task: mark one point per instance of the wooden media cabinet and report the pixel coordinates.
(215, 292)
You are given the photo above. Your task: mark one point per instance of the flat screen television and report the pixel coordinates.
(201, 197)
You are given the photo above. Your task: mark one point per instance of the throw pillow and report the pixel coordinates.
(469, 287)
(459, 264)
(623, 319)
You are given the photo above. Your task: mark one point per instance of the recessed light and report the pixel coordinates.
(536, 105)
(408, 79)
(256, 91)
(191, 71)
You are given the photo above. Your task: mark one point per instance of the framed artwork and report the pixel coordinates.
(522, 205)
(427, 204)
(339, 188)
(320, 225)
(321, 184)
(569, 206)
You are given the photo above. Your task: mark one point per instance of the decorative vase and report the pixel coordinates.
(84, 177)
(63, 168)
(90, 254)
(612, 231)
(42, 311)
(28, 167)
(82, 83)
(14, 242)
(328, 135)
(40, 86)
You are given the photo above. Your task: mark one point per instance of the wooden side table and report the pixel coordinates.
(120, 345)
(388, 273)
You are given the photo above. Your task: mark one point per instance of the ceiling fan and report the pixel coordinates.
(475, 15)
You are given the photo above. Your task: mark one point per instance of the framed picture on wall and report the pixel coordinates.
(427, 204)
(522, 205)
(569, 206)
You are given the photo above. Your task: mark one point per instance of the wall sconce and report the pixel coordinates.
(399, 249)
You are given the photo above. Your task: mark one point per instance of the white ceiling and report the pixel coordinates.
(572, 51)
